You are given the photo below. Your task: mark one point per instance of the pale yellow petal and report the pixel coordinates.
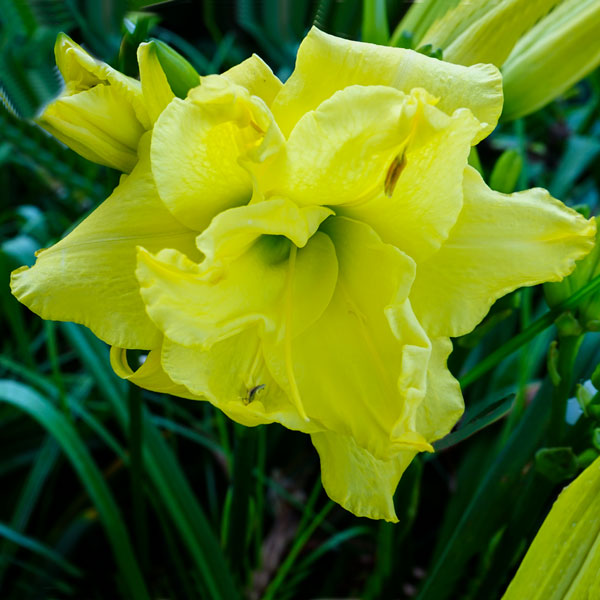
(326, 64)
(233, 231)
(342, 151)
(256, 76)
(355, 479)
(420, 199)
(499, 243)
(443, 404)
(192, 305)
(360, 369)
(197, 145)
(233, 376)
(89, 276)
(150, 375)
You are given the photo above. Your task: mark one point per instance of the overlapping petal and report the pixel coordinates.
(499, 243)
(421, 194)
(326, 64)
(360, 369)
(197, 144)
(149, 375)
(200, 304)
(341, 151)
(89, 276)
(233, 376)
(256, 76)
(355, 479)
(365, 485)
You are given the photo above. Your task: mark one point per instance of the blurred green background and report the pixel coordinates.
(110, 492)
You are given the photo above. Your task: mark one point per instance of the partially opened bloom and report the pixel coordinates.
(302, 253)
(102, 114)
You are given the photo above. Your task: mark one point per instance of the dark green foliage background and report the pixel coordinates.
(110, 492)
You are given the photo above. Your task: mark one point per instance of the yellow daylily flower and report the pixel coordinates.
(308, 249)
(563, 561)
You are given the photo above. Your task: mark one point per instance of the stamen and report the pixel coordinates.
(394, 173)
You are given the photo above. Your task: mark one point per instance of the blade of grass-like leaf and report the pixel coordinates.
(37, 547)
(301, 570)
(489, 505)
(190, 434)
(167, 477)
(45, 461)
(56, 424)
(295, 550)
(488, 417)
(579, 154)
(545, 321)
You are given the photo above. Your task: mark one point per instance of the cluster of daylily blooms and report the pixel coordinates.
(298, 253)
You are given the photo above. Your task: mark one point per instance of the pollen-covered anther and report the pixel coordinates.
(394, 173)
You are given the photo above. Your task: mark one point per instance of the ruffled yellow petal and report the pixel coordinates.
(342, 151)
(197, 145)
(499, 243)
(149, 375)
(326, 64)
(155, 86)
(233, 231)
(360, 369)
(200, 304)
(420, 196)
(443, 404)
(356, 480)
(256, 76)
(233, 376)
(194, 306)
(89, 276)
(365, 485)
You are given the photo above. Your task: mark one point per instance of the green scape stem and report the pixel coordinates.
(568, 347)
(529, 333)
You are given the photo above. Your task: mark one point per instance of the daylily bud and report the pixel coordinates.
(100, 114)
(563, 561)
(484, 31)
(559, 51)
(588, 311)
(507, 169)
(179, 72)
(543, 46)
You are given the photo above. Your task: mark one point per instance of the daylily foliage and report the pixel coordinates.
(301, 253)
